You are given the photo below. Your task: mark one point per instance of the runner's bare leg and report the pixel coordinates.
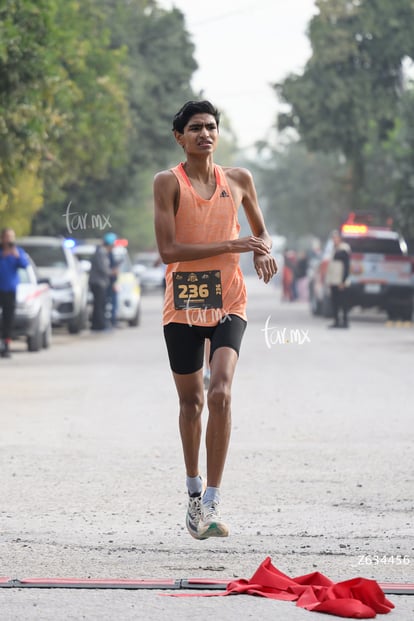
(190, 390)
(222, 368)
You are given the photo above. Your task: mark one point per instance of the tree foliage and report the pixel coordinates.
(87, 93)
(25, 64)
(302, 192)
(62, 102)
(157, 65)
(350, 87)
(390, 170)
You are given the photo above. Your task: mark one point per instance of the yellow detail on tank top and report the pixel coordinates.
(198, 221)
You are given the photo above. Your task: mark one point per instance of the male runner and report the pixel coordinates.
(196, 225)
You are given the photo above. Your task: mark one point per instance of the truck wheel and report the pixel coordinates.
(405, 313)
(402, 313)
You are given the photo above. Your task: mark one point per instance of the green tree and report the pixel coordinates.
(63, 113)
(25, 68)
(91, 98)
(302, 193)
(157, 66)
(351, 85)
(23, 200)
(403, 173)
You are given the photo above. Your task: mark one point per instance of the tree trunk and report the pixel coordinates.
(357, 164)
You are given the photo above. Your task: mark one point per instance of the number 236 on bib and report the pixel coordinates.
(197, 290)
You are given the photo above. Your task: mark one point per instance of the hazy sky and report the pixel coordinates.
(241, 47)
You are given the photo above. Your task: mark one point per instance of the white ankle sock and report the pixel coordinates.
(212, 494)
(194, 485)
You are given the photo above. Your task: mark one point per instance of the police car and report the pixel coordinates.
(381, 272)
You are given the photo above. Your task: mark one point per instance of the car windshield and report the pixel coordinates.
(374, 245)
(47, 256)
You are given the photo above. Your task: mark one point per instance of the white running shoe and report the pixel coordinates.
(210, 523)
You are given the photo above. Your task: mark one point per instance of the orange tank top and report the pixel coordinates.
(205, 291)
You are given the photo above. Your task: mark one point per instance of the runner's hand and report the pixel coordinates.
(265, 266)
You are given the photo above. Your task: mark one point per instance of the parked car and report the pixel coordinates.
(150, 271)
(129, 290)
(33, 314)
(381, 272)
(68, 281)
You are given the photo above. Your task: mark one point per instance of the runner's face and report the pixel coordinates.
(200, 134)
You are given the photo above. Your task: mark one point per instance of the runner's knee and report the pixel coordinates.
(219, 397)
(191, 407)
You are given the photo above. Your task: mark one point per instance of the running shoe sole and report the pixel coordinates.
(215, 529)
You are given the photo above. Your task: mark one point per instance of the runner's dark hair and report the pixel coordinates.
(189, 109)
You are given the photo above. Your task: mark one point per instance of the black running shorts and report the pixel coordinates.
(185, 343)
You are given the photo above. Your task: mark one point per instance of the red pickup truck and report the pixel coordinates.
(381, 272)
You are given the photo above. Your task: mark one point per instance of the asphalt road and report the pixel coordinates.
(320, 474)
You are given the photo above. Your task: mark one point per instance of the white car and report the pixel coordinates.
(129, 289)
(33, 314)
(150, 271)
(69, 283)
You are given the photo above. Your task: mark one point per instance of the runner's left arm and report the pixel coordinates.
(265, 265)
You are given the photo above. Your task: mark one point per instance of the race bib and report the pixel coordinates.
(197, 290)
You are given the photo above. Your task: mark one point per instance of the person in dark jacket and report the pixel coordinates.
(112, 293)
(100, 279)
(338, 273)
(11, 259)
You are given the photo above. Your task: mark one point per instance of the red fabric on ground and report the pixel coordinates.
(358, 598)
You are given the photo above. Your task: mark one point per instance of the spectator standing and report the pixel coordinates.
(11, 259)
(337, 277)
(112, 294)
(100, 280)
